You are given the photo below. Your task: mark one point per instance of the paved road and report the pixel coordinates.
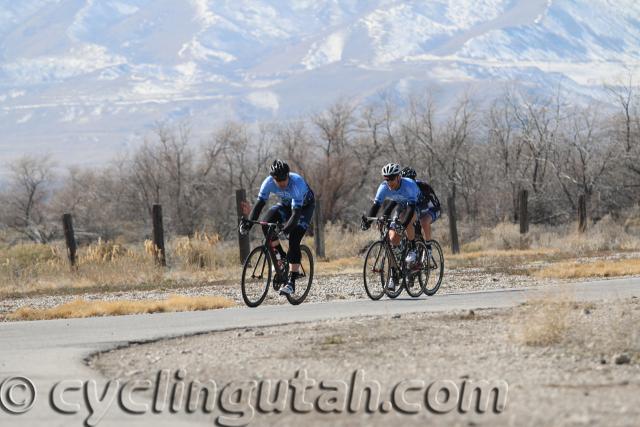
(50, 351)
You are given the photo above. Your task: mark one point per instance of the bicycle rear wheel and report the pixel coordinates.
(433, 263)
(375, 271)
(413, 283)
(256, 276)
(303, 283)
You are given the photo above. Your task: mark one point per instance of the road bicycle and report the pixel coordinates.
(263, 267)
(384, 263)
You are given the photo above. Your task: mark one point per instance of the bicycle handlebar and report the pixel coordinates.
(269, 224)
(384, 220)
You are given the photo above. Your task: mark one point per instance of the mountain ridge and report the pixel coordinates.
(86, 79)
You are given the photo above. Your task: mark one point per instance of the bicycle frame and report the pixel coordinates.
(267, 243)
(384, 228)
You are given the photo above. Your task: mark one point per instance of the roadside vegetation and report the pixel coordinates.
(607, 249)
(85, 308)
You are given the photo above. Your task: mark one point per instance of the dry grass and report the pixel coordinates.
(542, 321)
(607, 235)
(340, 242)
(205, 258)
(511, 253)
(574, 270)
(28, 268)
(35, 268)
(84, 308)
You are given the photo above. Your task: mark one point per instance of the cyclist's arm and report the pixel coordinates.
(389, 208)
(411, 209)
(257, 208)
(296, 213)
(373, 210)
(381, 194)
(263, 196)
(412, 196)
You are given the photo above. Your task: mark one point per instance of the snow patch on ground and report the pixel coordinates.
(195, 50)
(326, 52)
(77, 61)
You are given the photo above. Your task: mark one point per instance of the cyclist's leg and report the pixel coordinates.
(275, 214)
(425, 222)
(393, 235)
(295, 237)
(428, 217)
(411, 231)
(294, 254)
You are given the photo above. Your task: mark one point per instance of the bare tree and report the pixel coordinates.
(330, 173)
(25, 199)
(446, 144)
(507, 150)
(627, 130)
(587, 155)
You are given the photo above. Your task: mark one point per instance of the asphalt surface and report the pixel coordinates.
(47, 352)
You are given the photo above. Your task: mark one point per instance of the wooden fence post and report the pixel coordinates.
(582, 213)
(524, 213)
(319, 229)
(243, 241)
(158, 236)
(453, 226)
(69, 237)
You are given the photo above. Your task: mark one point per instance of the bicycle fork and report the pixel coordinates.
(388, 251)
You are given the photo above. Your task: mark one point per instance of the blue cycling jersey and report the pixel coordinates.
(407, 193)
(297, 193)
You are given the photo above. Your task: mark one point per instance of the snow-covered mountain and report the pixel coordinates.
(85, 79)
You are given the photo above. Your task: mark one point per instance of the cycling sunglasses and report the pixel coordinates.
(390, 177)
(279, 178)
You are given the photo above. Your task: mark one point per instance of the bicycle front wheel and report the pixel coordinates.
(433, 265)
(394, 285)
(256, 276)
(376, 270)
(303, 283)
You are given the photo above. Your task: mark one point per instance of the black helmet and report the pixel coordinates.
(279, 170)
(409, 172)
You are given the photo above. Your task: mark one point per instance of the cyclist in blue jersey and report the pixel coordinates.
(404, 192)
(295, 209)
(428, 206)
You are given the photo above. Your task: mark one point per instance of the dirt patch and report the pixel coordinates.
(589, 374)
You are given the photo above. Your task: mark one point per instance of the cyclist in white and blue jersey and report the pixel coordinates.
(428, 207)
(295, 209)
(404, 192)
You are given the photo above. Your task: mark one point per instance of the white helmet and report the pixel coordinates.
(391, 169)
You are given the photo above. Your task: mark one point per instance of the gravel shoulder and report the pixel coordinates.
(590, 375)
(324, 288)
